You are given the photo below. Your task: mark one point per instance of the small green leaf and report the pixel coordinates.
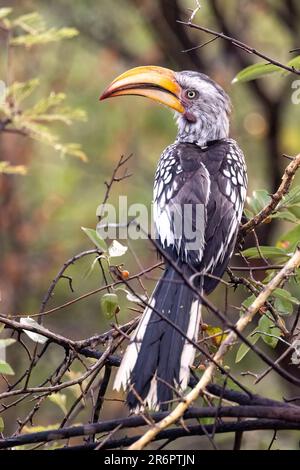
(285, 215)
(95, 238)
(247, 302)
(206, 421)
(295, 62)
(21, 90)
(44, 37)
(285, 295)
(5, 368)
(229, 383)
(283, 307)
(244, 349)
(60, 400)
(249, 214)
(1, 425)
(110, 305)
(291, 198)
(267, 326)
(255, 71)
(31, 23)
(267, 251)
(259, 199)
(216, 334)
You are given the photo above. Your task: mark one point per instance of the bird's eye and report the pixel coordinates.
(191, 94)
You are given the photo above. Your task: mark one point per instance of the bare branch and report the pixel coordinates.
(241, 45)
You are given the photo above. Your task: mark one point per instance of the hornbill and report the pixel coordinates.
(205, 169)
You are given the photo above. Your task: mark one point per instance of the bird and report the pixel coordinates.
(200, 187)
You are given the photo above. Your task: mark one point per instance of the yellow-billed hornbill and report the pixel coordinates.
(202, 168)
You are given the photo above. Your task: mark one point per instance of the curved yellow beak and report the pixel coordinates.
(156, 83)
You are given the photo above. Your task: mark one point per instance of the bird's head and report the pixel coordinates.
(201, 106)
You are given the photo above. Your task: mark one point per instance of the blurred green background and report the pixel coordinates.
(41, 213)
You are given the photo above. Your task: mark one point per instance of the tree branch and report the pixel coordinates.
(284, 187)
(290, 414)
(241, 45)
(241, 324)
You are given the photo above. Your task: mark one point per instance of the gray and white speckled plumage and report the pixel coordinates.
(203, 167)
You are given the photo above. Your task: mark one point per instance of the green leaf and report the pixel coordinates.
(247, 302)
(72, 149)
(44, 104)
(285, 295)
(60, 400)
(216, 334)
(206, 421)
(267, 251)
(42, 134)
(259, 199)
(95, 238)
(244, 349)
(283, 307)
(31, 23)
(49, 109)
(255, 71)
(260, 70)
(5, 368)
(30, 429)
(50, 35)
(291, 199)
(295, 62)
(21, 90)
(285, 215)
(110, 305)
(1, 425)
(248, 213)
(267, 326)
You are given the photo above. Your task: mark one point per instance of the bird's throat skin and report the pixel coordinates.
(202, 129)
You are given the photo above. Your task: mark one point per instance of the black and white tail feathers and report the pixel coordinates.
(158, 358)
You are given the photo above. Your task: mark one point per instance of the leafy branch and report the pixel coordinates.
(33, 121)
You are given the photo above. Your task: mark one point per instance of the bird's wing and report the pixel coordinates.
(180, 204)
(204, 191)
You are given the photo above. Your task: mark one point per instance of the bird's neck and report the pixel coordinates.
(205, 129)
